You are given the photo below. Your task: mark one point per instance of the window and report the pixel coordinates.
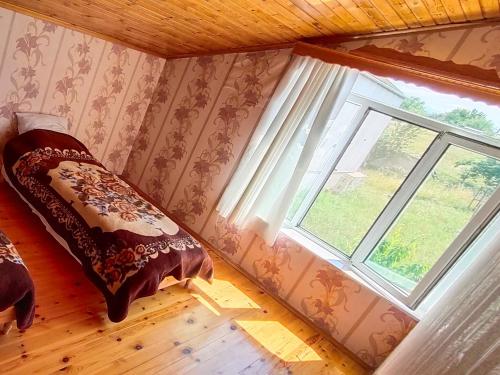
(399, 187)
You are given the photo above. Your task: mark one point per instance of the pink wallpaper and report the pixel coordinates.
(103, 89)
(470, 46)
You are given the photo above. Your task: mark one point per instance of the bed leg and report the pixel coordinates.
(188, 284)
(5, 328)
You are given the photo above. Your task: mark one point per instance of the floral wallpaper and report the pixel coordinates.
(134, 113)
(113, 81)
(68, 87)
(245, 89)
(102, 88)
(476, 46)
(161, 96)
(174, 147)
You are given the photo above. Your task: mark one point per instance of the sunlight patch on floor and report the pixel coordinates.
(205, 303)
(279, 340)
(225, 294)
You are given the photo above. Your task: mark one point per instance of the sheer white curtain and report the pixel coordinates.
(460, 335)
(282, 146)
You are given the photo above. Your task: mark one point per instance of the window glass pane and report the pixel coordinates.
(380, 89)
(473, 116)
(378, 159)
(335, 132)
(460, 183)
(486, 237)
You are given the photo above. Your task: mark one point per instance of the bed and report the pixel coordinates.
(17, 293)
(128, 248)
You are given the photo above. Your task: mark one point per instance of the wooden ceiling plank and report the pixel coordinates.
(209, 34)
(360, 15)
(137, 29)
(437, 11)
(134, 30)
(454, 10)
(214, 19)
(472, 9)
(303, 16)
(274, 12)
(388, 12)
(190, 27)
(405, 13)
(257, 21)
(330, 14)
(344, 14)
(377, 17)
(95, 22)
(247, 20)
(318, 17)
(421, 12)
(490, 8)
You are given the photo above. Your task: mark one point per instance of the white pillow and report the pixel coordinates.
(27, 121)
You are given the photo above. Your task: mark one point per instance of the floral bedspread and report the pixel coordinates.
(16, 286)
(125, 244)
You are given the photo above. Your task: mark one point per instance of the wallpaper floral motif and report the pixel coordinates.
(335, 290)
(49, 69)
(247, 92)
(185, 114)
(471, 46)
(134, 113)
(381, 343)
(226, 237)
(24, 81)
(271, 269)
(112, 85)
(161, 94)
(67, 88)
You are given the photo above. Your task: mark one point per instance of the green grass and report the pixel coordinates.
(343, 219)
(428, 226)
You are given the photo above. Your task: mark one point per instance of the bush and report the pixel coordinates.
(394, 254)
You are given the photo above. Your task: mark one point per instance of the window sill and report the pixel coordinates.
(346, 266)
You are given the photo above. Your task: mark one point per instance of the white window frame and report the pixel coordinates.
(446, 135)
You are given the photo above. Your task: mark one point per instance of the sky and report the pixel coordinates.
(437, 102)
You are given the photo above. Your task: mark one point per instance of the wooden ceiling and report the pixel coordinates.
(187, 27)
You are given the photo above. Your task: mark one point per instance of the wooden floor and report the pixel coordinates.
(230, 327)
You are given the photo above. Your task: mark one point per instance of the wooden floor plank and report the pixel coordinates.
(229, 327)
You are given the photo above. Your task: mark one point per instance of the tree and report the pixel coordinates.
(399, 135)
(466, 118)
(414, 105)
(483, 173)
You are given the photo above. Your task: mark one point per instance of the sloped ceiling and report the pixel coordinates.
(182, 27)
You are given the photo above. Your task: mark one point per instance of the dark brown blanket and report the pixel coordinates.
(16, 286)
(126, 245)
